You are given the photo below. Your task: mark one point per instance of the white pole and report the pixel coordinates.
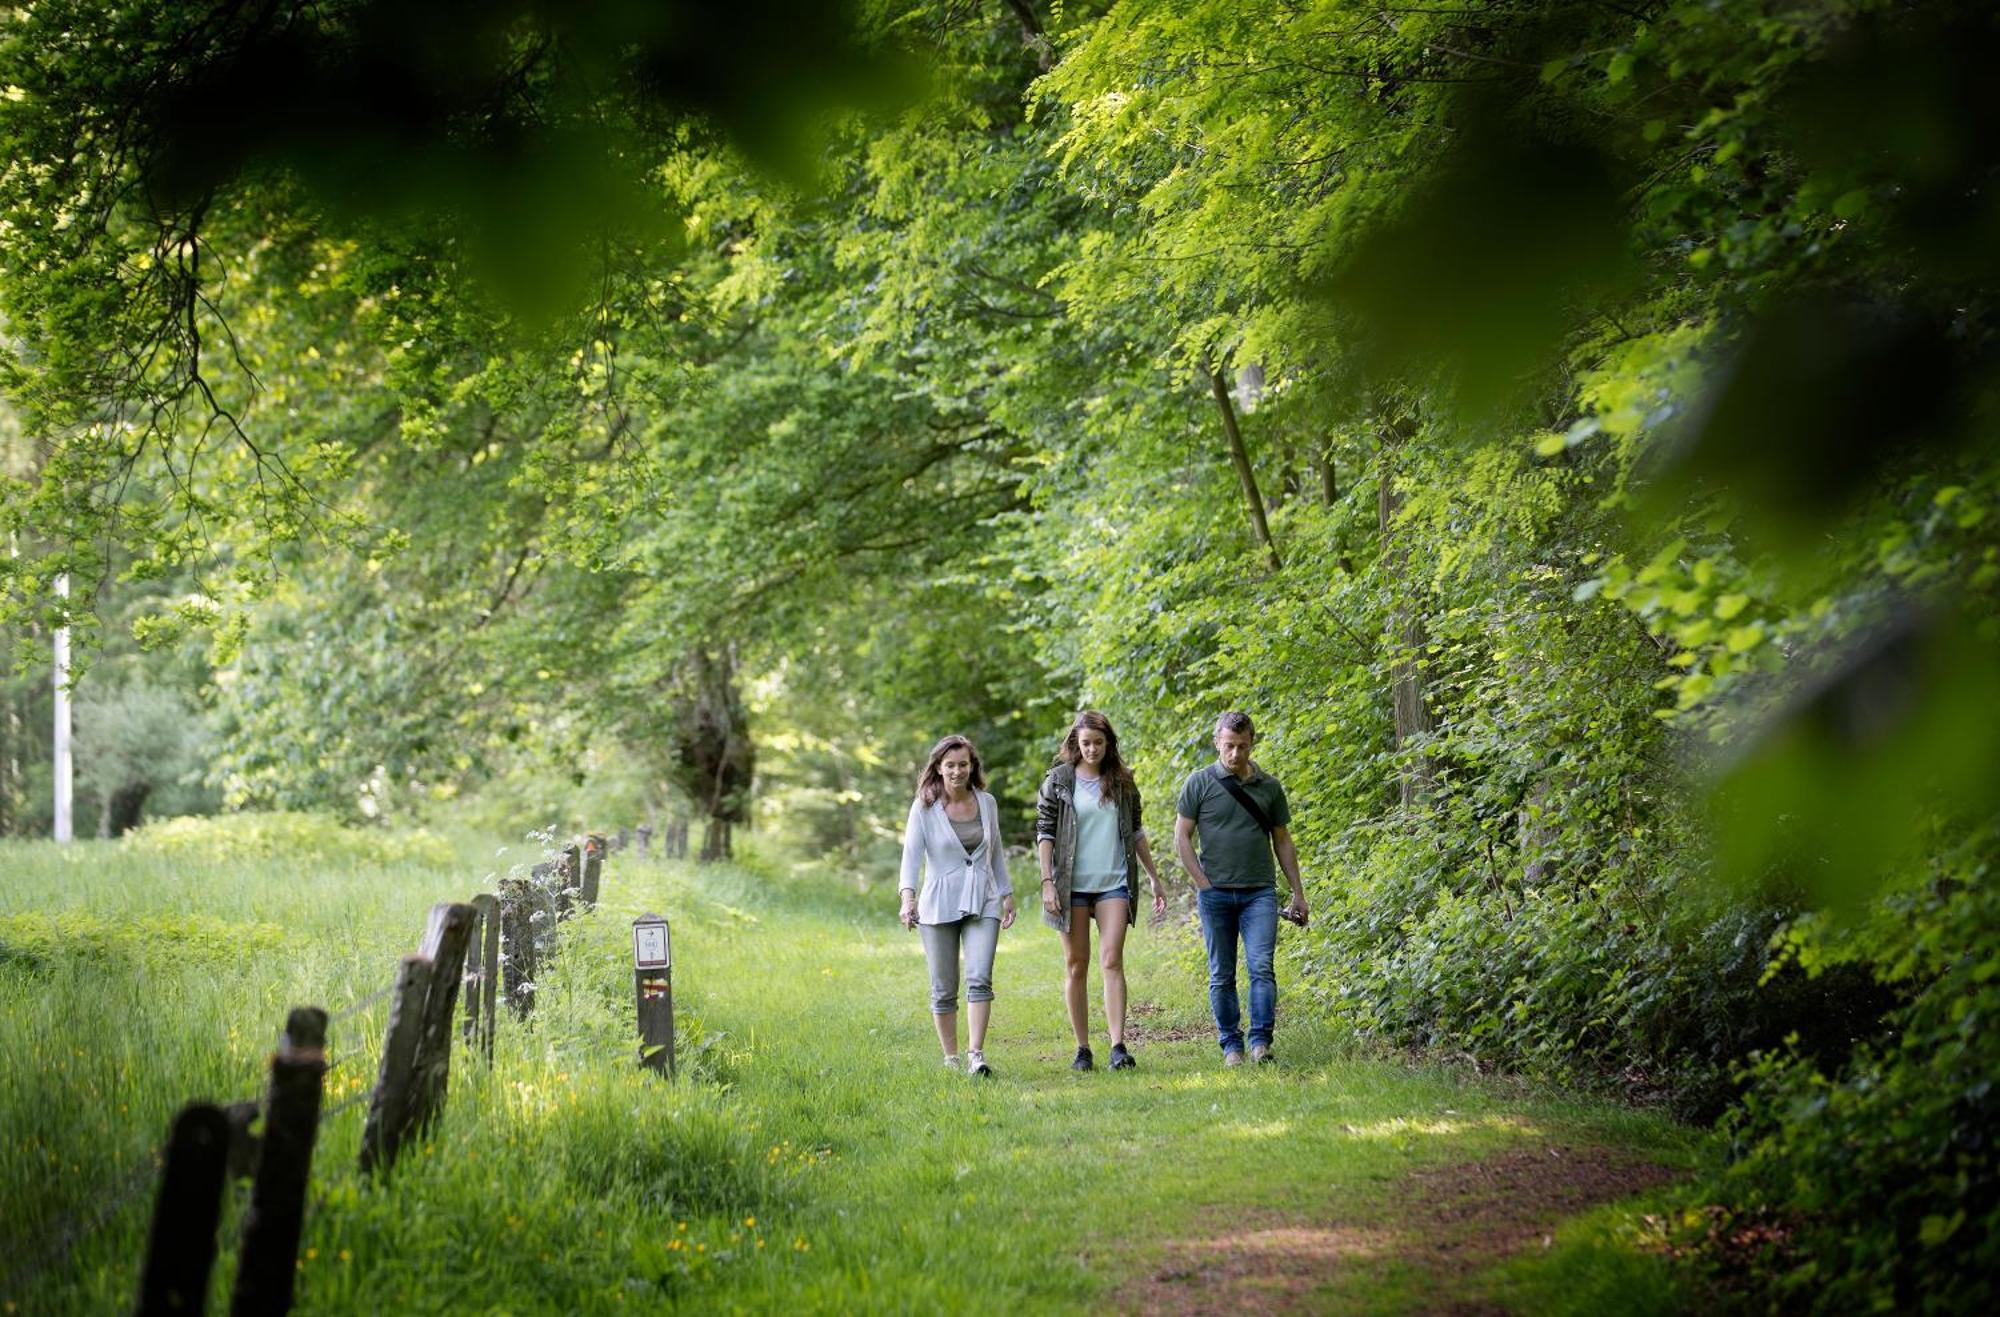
(65, 769)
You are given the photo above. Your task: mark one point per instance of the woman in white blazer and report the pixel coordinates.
(953, 843)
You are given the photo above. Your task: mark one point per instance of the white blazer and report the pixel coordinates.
(956, 885)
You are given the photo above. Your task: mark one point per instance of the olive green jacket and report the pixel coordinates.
(1055, 821)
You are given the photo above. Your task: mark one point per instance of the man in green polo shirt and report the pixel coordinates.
(1241, 816)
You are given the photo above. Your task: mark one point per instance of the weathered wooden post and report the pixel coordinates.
(468, 988)
(489, 982)
(389, 1107)
(645, 831)
(180, 1248)
(446, 935)
(593, 868)
(569, 879)
(544, 881)
(244, 1141)
(517, 946)
(268, 1259)
(482, 967)
(653, 986)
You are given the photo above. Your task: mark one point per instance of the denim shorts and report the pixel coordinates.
(1089, 900)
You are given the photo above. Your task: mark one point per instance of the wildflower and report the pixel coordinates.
(750, 1221)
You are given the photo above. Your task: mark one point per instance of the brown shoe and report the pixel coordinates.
(1232, 1059)
(1260, 1053)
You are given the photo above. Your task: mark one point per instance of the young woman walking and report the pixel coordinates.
(953, 842)
(1090, 844)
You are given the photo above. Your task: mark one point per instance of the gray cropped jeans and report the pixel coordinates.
(980, 938)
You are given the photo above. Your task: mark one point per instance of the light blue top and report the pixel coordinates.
(1100, 854)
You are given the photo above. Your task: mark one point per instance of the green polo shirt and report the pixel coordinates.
(1235, 852)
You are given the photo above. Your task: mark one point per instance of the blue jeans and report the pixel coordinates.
(1252, 912)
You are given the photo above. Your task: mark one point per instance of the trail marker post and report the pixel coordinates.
(653, 988)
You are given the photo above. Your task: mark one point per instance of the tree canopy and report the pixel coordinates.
(1568, 426)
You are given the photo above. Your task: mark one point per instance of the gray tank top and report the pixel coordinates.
(970, 831)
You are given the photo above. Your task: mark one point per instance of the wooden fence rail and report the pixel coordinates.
(494, 945)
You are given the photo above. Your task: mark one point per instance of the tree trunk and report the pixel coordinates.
(1417, 778)
(11, 730)
(122, 809)
(1239, 457)
(714, 758)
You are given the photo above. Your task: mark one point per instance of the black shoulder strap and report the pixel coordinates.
(1235, 788)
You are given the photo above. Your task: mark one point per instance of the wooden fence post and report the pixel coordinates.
(180, 1248)
(593, 867)
(244, 1142)
(569, 879)
(388, 1109)
(517, 944)
(543, 880)
(489, 985)
(446, 936)
(475, 950)
(653, 987)
(482, 969)
(268, 1260)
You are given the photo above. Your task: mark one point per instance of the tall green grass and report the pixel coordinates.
(813, 1156)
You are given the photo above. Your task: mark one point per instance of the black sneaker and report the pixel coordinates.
(1120, 1058)
(1083, 1060)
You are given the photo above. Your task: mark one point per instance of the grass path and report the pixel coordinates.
(1327, 1182)
(816, 1156)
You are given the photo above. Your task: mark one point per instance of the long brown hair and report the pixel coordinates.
(1112, 770)
(930, 782)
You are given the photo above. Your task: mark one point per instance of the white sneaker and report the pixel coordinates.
(975, 1064)
(953, 1063)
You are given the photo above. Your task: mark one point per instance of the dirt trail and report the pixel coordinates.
(1445, 1221)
